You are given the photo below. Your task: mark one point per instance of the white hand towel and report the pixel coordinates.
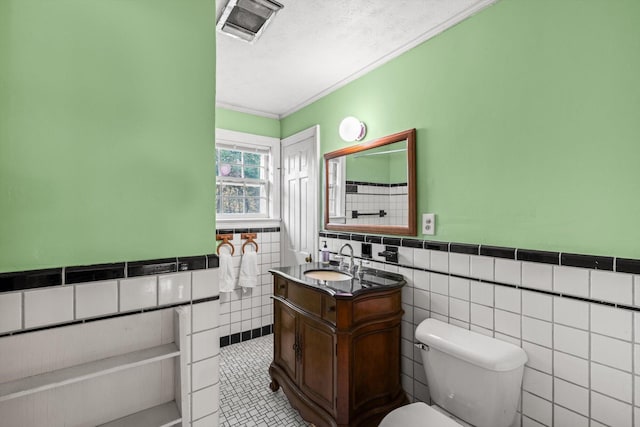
(249, 270)
(226, 273)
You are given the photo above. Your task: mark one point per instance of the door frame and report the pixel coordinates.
(312, 132)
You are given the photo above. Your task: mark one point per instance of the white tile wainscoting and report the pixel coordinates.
(247, 314)
(580, 328)
(52, 328)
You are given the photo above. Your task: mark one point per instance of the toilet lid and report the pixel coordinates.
(417, 414)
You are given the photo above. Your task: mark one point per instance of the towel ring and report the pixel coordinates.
(225, 241)
(249, 239)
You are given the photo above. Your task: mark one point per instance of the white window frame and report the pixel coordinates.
(339, 215)
(251, 141)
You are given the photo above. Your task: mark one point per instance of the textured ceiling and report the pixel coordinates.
(313, 47)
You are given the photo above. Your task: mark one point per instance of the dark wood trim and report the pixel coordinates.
(411, 228)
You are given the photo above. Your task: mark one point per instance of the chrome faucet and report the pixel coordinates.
(351, 263)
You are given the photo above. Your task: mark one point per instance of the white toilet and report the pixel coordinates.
(474, 378)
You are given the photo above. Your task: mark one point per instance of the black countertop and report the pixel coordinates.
(370, 279)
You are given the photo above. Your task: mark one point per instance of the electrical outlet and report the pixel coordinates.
(429, 224)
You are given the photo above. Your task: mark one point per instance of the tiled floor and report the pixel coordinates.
(245, 396)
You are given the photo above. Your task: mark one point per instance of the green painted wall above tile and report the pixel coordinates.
(106, 131)
(247, 123)
(528, 124)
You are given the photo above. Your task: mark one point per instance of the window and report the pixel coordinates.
(246, 185)
(242, 186)
(337, 189)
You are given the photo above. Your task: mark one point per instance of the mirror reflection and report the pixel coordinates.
(371, 186)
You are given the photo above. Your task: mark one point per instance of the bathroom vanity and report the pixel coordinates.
(337, 344)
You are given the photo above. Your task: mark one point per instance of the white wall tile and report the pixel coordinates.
(459, 263)
(407, 294)
(612, 382)
(482, 316)
(459, 288)
(571, 281)
(538, 383)
(138, 292)
(528, 422)
(537, 408)
(611, 321)
(609, 411)
(421, 280)
(571, 396)
(636, 290)
(508, 271)
(421, 299)
(507, 298)
(206, 315)
(571, 312)
(204, 402)
(538, 276)
(205, 344)
(458, 323)
(539, 358)
(571, 340)
(440, 261)
(206, 282)
(507, 323)
(10, 311)
(613, 287)
(482, 267)
(611, 352)
(208, 421)
(571, 368)
(482, 293)
(421, 258)
(507, 338)
(48, 306)
(565, 418)
(459, 309)
(96, 299)
(206, 373)
(173, 288)
(537, 305)
(439, 283)
(405, 255)
(439, 304)
(537, 331)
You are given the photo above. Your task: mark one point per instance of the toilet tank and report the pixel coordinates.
(472, 376)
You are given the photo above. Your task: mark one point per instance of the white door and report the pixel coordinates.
(300, 197)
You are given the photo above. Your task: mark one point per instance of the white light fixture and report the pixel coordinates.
(351, 129)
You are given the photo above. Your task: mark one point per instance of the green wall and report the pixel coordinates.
(387, 168)
(247, 123)
(528, 124)
(106, 130)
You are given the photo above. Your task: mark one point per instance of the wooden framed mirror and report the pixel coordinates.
(371, 187)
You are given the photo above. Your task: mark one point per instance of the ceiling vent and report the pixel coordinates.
(247, 19)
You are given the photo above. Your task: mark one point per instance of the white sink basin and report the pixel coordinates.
(327, 275)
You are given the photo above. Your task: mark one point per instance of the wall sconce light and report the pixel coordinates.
(351, 129)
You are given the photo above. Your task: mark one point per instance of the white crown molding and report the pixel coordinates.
(472, 10)
(246, 110)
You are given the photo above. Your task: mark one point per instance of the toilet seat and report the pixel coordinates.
(415, 415)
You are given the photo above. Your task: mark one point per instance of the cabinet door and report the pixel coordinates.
(317, 367)
(284, 333)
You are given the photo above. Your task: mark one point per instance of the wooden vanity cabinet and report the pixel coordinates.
(337, 359)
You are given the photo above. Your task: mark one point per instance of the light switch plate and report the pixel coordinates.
(429, 224)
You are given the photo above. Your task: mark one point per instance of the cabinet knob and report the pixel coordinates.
(332, 308)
